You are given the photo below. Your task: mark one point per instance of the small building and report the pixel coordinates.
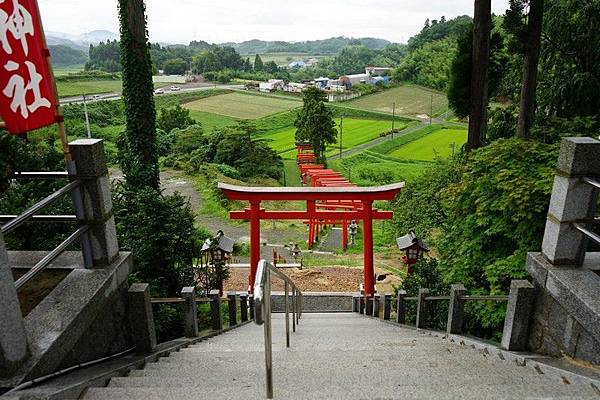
(322, 82)
(297, 64)
(377, 71)
(294, 87)
(311, 62)
(350, 80)
(271, 85)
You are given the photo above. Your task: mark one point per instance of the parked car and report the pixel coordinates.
(175, 88)
(159, 91)
(96, 97)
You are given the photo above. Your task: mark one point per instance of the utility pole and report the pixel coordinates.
(341, 134)
(87, 119)
(431, 110)
(393, 118)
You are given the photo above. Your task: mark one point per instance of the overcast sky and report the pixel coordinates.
(180, 21)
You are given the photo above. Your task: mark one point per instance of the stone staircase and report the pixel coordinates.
(337, 356)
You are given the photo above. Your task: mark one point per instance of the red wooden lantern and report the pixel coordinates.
(413, 247)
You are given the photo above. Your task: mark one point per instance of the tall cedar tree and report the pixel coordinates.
(137, 145)
(258, 63)
(315, 123)
(529, 37)
(482, 25)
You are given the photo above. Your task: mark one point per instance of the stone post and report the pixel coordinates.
(518, 314)
(90, 161)
(141, 318)
(377, 305)
(244, 307)
(369, 305)
(456, 309)
(190, 312)
(355, 303)
(361, 305)
(422, 309)
(14, 349)
(572, 201)
(232, 299)
(215, 310)
(251, 306)
(387, 306)
(401, 307)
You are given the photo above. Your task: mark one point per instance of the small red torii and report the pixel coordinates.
(352, 196)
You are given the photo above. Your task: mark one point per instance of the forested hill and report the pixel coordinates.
(324, 46)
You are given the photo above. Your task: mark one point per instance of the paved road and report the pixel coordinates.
(337, 356)
(117, 96)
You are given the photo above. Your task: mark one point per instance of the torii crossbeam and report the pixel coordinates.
(365, 195)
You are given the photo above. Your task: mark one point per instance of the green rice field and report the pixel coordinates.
(433, 145)
(210, 121)
(242, 106)
(69, 89)
(411, 100)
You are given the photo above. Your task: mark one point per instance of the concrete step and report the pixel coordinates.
(334, 391)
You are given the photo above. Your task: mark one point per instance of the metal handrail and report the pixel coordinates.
(592, 181)
(44, 262)
(37, 207)
(262, 315)
(42, 218)
(591, 235)
(40, 175)
(465, 298)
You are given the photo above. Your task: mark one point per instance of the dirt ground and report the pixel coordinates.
(323, 279)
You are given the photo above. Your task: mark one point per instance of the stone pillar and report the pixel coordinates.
(215, 310)
(518, 315)
(355, 303)
(376, 305)
(244, 307)
(387, 306)
(232, 298)
(190, 312)
(422, 309)
(361, 305)
(369, 306)
(401, 307)
(456, 309)
(141, 318)
(14, 349)
(90, 161)
(572, 201)
(251, 306)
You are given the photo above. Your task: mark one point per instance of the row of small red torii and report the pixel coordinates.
(330, 199)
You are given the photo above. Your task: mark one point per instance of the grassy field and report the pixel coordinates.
(68, 89)
(242, 106)
(210, 121)
(432, 145)
(411, 100)
(67, 69)
(356, 131)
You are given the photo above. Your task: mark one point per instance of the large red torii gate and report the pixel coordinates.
(366, 195)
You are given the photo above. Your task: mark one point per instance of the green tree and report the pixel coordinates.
(174, 117)
(175, 66)
(137, 144)
(258, 63)
(314, 123)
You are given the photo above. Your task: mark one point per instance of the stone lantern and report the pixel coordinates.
(413, 248)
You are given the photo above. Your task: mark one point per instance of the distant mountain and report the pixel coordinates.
(79, 42)
(64, 55)
(324, 46)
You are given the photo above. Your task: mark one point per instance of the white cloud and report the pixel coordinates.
(237, 20)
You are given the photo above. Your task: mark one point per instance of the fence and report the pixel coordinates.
(514, 336)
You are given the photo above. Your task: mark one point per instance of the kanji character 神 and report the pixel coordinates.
(19, 24)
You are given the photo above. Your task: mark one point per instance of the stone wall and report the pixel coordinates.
(317, 302)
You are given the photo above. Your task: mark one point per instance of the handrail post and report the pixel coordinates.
(287, 317)
(422, 311)
(90, 163)
(215, 310)
(297, 307)
(518, 315)
(293, 310)
(251, 306)
(387, 305)
(401, 307)
(14, 349)
(244, 307)
(267, 329)
(456, 309)
(141, 318)
(190, 327)
(377, 305)
(232, 308)
(369, 305)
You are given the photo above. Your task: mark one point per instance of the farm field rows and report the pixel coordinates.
(210, 121)
(411, 100)
(355, 132)
(242, 106)
(68, 89)
(432, 145)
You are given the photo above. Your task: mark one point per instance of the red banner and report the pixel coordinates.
(26, 90)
